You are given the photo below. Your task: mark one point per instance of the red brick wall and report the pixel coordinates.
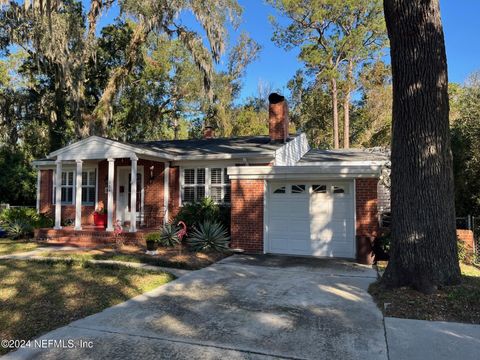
(154, 195)
(174, 195)
(247, 215)
(466, 236)
(46, 191)
(366, 203)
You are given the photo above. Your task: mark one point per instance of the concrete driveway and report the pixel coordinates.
(240, 308)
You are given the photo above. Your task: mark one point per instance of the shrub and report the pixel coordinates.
(26, 215)
(20, 222)
(206, 210)
(464, 255)
(18, 229)
(168, 236)
(209, 236)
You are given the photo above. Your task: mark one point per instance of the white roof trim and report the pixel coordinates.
(296, 172)
(127, 148)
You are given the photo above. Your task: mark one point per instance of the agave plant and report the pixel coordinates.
(18, 229)
(209, 236)
(169, 235)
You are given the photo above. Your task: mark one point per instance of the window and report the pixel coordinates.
(279, 190)
(219, 185)
(202, 182)
(319, 189)
(67, 187)
(193, 185)
(338, 189)
(298, 189)
(89, 180)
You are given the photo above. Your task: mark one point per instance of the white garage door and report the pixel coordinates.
(314, 218)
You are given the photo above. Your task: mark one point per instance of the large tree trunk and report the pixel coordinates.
(346, 106)
(335, 112)
(423, 251)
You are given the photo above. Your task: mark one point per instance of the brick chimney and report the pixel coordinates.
(208, 132)
(277, 118)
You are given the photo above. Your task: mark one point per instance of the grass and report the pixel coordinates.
(39, 296)
(459, 303)
(8, 246)
(166, 257)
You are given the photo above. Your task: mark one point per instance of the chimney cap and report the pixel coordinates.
(275, 98)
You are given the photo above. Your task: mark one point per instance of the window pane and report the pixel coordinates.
(200, 193)
(216, 176)
(189, 194)
(189, 176)
(64, 178)
(91, 195)
(84, 196)
(298, 189)
(200, 176)
(216, 193)
(92, 177)
(70, 178)
(319, 189)
(227, 197)
(68, 195)
(279, 190)
(84, 178)
(338, 190)
(226, 179)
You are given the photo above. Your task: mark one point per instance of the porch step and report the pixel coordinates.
(89, 238)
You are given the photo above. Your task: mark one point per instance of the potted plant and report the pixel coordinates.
(152, 240)
(100, 215)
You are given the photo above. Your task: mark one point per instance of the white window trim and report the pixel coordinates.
(71, 169)
(207, 184)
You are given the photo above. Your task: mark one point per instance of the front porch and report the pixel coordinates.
(119, 184)
(91, 236)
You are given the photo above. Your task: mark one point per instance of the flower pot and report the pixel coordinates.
(151, 245)
(100, 219)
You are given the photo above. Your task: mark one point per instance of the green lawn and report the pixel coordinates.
(36, 297)
(8, 246)
(451, 303)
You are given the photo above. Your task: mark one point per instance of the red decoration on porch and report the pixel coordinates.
(99, 220)
(100, 215)
(183, 231)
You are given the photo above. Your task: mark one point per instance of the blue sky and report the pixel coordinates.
(276, 66)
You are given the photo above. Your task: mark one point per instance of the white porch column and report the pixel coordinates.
(166, 190)
(111, 171)
(133, 195)
(39, 183)
(58, 195)
(78, 196)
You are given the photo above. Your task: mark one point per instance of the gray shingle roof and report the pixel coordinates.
(238, 145)
(317, 155)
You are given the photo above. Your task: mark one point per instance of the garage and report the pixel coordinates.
(315, 218)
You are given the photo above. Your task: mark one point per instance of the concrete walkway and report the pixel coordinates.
(262, 307)
(34, 255)
(436, 340)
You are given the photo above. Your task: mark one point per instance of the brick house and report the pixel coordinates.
(285, 198)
